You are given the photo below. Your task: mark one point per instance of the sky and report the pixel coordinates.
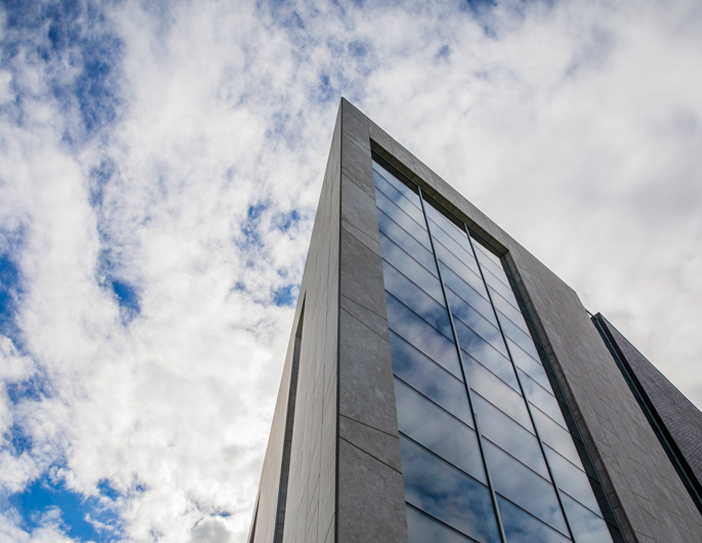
(160, 166)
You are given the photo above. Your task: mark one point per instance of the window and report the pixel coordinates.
(486, 452)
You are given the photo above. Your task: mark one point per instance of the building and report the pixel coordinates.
(442, 385)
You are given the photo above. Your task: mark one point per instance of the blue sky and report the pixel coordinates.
(160, 165)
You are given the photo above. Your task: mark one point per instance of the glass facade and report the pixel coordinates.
(486, 453)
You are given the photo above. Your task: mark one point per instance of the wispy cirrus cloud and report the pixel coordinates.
(160, 169)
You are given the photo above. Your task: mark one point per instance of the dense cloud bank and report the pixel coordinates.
(160, 165)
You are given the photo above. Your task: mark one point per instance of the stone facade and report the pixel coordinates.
(345, 473)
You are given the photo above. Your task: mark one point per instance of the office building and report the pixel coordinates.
(442, 385)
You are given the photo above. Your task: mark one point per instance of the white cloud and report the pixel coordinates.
(574, 126)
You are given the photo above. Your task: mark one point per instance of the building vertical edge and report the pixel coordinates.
(310, 504)
(371, 504)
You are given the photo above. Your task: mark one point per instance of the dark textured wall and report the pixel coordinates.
(679, 420)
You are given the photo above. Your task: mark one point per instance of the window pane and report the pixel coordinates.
(444, 492)
(417, 230)
(426, 279)
(511, 312)
(424, 529)
(553, 434)
(495, 284)
(517, 335)
(423, 336)
(459, 267)
(396, 183)
(429, 378)
(541, 398)
(402, 238)
(409, 203)
(521, 527)
(438, 431)
(587, 527)
(523, 487)
(461, 251)
(488, 357)
(526, 363)
(457, 233)
(571, 479)
(416, 299)
(471, 294)
(485, 252)
(497, 393)
(488, 263)
(479, 324)
(508, 435)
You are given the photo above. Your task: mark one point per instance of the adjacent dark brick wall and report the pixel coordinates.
(678, 423)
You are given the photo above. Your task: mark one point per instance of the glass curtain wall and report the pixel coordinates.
(482, 436)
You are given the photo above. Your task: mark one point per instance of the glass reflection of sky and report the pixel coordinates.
(448, 494)
(443, 467)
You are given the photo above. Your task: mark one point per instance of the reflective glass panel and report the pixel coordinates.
(402, 238)
(512, 313)
(417, 370)
(497, 393)
(571, 479)
(438, 431)
(517, 335)
(555, 435)
(459, 267)
(471, 294)
(508, 435)
(492, 263)
(415, 272)
(495, 284)
(521, 527)
(498, 365)
(524, 488)
(461, 251)
(418, 231)
(447, 494)
(475, 321)
(450, 228)
(399, 185)
(424, 529)
(487, 253)
(541, 398)
(422, 335)
(587, 527)
(409, 203)
(416, 299)
(527, 364)
(445, 482)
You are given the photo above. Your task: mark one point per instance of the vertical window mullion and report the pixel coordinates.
(521, 388)
(493, 496)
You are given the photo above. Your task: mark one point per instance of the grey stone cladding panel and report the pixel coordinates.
(648, 499)
(370, 489)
